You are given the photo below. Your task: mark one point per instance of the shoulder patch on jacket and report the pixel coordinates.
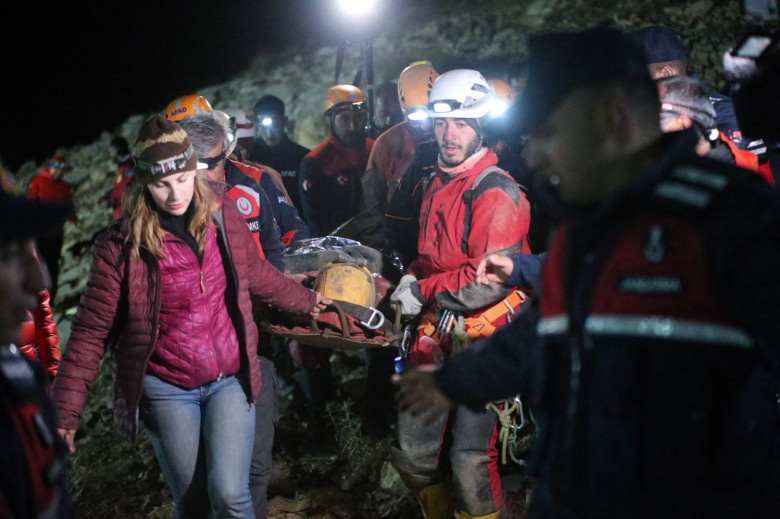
(690, 188)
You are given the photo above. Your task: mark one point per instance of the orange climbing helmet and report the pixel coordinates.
(344, 97)
(185, 106)
(504, 96)
(414, 87)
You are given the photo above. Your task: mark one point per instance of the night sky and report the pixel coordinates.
(74, 69)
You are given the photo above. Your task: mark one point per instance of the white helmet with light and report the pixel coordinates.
(461, 94)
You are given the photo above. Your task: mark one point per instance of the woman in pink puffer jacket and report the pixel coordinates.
(170, 295)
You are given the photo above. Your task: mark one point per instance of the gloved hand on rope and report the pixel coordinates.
(408, 296)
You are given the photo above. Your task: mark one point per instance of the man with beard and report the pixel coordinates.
(470, 208)
(330, 175)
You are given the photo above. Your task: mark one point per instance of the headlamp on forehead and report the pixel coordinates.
(161, 167)
(418, 113)
(266, 120)
(210, 162)
(348, 107)
(55, 164)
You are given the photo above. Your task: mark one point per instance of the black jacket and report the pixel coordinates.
(650, 354)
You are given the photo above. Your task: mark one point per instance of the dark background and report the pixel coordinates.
(72, 70)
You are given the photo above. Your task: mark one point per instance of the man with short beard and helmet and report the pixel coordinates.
(330, 174)
(470, 209)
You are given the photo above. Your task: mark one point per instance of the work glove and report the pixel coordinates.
(408, 296)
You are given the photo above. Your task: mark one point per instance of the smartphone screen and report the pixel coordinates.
(752, 46)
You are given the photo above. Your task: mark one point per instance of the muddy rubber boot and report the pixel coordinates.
(435, 501)
(494, 515)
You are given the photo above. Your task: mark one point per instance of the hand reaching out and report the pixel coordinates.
(494, 269)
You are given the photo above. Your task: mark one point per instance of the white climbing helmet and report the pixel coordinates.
(461, 94)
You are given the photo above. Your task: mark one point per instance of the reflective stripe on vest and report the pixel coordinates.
(651, 327)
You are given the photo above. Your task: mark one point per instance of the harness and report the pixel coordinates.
(490, 177)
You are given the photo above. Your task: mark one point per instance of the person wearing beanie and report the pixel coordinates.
(49, 185)
(273, 146)
(170, 296)
(649, 354)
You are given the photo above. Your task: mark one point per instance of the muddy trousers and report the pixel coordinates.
(462, 443)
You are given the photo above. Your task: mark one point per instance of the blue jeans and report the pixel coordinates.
(203, 441)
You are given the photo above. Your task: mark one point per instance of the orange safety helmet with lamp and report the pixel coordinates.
(414, 87)
(185, 106)
(344, 97)
(504, 96)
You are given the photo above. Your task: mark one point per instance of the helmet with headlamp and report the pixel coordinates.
(461, 94)
(414, 88)
(344, 98)
(504, 97)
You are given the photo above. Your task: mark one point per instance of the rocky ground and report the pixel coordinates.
(322, 470)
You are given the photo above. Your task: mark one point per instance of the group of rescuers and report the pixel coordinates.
(644, 333)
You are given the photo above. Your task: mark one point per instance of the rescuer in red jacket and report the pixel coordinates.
(331, 173)
(39, 335)
(120, 153)
(470, 209)
(50, 185)
(393, 152)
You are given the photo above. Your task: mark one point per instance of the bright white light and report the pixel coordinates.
(357, 7)
(498, 108)
(267, 121)
(417, 114)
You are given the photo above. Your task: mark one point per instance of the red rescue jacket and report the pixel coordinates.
(499, 223)
(39, 335)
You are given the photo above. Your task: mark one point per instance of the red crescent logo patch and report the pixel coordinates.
(244, 205)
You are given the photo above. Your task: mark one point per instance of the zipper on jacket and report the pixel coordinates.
(241, 328)
(202, 286)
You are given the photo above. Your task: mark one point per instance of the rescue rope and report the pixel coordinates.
(460, 337)
(510, 433)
